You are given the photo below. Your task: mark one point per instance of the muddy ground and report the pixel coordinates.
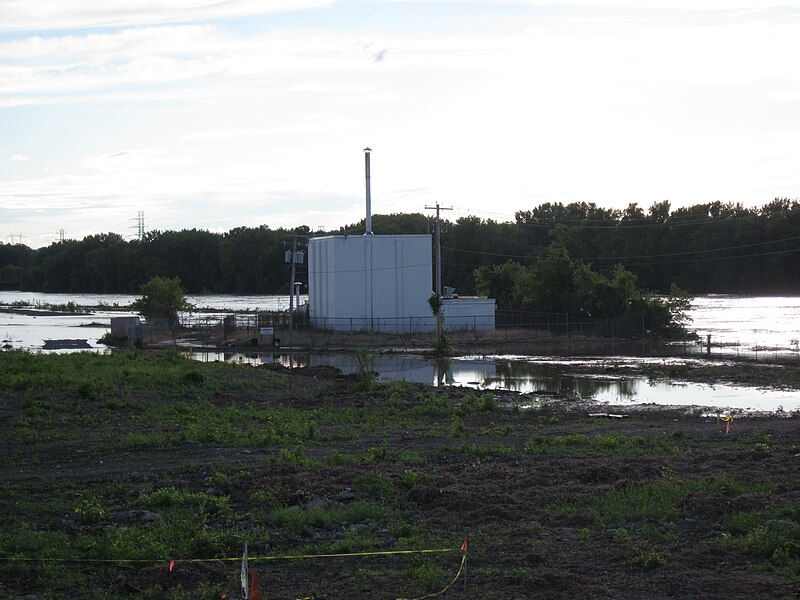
(472, 481)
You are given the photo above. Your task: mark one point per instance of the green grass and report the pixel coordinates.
(579, 444)
(252, 425)
(770, 537)
(76, 545)
(655, 501)
(304, 520)
(88, 376)
(473, 403)
(260, 462)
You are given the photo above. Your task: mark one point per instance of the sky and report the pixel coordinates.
(216, 115)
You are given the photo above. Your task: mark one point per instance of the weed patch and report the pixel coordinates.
(771, 537)
(654, 502)
(580, 444)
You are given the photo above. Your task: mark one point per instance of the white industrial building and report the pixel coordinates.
(382, 283)
(370, 283)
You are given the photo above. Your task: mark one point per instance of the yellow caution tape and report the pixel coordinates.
(448, 586)
(174, 562)
(235, 558)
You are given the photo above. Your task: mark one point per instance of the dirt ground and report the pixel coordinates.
(501, 499)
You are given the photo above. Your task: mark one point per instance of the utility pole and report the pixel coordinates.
(294, 257)
(438, 290)
(291, 284)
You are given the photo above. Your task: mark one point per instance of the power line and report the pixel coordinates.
(710, 258)
(666, 262)
(726, 248)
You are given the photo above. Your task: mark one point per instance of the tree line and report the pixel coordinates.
(706, 248)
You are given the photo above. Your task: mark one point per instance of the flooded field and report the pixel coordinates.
(29, 331)
(542, 374)
(747, 327)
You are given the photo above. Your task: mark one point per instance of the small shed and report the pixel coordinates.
(468, 313)
(121, 326)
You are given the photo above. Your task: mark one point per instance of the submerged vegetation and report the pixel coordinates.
(115, 465)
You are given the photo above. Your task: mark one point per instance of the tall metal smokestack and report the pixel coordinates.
(369, 199)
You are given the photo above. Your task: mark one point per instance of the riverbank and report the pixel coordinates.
(115, 465)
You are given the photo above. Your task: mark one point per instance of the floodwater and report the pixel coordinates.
(749, 325)
(530, 374)
(761, 327)
(29, 332)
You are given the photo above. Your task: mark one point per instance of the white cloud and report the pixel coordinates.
(103, 48)
(224, 134)
(202, 124)
(20, 157)
(42, 15)
(37, 70)
(133, 160)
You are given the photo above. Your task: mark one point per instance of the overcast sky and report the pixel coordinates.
(214, 115)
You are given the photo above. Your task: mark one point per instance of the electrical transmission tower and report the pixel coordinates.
(139, 225)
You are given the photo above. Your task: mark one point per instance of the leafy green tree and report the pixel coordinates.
(162, 299)
(551, 285)
(499, 282)
(559, 284)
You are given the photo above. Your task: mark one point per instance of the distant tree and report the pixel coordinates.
(161, 300)
(252, 260)
(659, 211)
(392, 224)
(15, 263)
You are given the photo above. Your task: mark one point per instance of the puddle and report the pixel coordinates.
(533, 374)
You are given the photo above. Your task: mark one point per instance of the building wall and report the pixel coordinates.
(472, 314)
(370, 282)
(121, 326)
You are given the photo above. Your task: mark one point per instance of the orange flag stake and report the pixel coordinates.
(255, 586)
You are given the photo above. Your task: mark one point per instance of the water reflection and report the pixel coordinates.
(524, 376)
(531, 375)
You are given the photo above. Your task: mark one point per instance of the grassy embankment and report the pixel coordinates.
(113, 465)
